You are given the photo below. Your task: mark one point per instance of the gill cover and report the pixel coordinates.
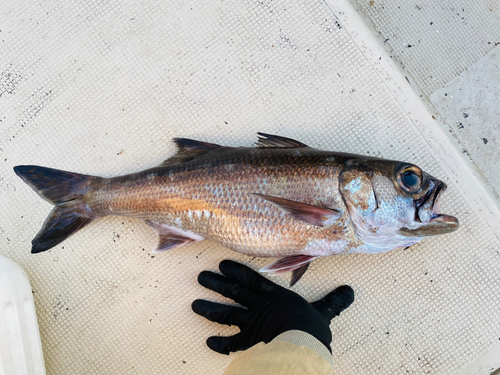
(392, 204)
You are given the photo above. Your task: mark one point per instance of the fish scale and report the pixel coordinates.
(236, 218)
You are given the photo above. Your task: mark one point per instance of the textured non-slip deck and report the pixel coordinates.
(101, 88)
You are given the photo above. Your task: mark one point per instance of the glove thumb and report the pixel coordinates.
(335, 302)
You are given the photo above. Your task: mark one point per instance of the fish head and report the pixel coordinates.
(393, 201)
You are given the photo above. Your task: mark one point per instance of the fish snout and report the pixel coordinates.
(428, 207)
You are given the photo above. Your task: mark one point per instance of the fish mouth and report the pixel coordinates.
(427, 213)
(427, 207)
(445, 219)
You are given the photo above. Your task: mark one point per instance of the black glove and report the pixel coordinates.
(271, 311)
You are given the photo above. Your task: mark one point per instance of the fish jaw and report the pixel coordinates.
(427, 207)
(439, 224)
(427, 213)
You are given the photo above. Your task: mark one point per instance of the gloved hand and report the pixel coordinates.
(271, 311)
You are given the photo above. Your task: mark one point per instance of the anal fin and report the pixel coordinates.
(297, 264)
(171, 237)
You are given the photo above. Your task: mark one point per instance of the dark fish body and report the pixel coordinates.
(282, 199)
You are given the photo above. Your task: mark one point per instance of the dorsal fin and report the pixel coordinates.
(188, 150)
(269, 140)
(190, 145)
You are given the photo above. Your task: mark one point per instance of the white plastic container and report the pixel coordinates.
(20, 345)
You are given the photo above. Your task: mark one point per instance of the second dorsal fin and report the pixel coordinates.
(269, 140)
(188, 150)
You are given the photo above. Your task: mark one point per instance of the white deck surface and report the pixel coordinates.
(101, 88)
(450, 53)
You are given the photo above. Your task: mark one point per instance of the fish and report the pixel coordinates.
(281, 199)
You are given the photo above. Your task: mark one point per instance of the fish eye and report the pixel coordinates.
(410, 178)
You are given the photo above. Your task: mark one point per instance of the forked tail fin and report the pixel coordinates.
(65, 190)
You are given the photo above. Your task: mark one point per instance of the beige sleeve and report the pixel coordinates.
(292, 352)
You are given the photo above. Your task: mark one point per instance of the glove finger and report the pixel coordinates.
(335, 302)
(221, 344)
(227, 287)
(219, 313)
(248, 277)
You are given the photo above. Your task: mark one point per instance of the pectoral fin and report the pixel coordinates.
(297, 264)
(171, 237)
(314, 215)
